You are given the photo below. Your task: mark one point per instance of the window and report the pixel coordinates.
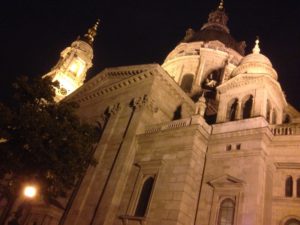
(226, 212)
(187, 82)
(247, 107)
(289, 187)
(292, 222)
(238, 147)
(144, 197)
(298, 188)
(228, 148)
(232, 110)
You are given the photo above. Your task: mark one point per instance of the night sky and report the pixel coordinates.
(33, 33)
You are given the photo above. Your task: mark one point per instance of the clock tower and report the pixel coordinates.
(75, 60)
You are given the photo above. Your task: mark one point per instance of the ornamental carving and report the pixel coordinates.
(114, 109)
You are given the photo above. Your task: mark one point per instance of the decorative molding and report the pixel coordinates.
(225, 181)
(287, 165)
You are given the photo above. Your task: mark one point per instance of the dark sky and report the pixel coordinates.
(33, 33)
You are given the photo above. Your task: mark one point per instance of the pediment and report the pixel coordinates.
(245, 79)
(226, 181)
(113, 75)
(111, 79)
(254, 81)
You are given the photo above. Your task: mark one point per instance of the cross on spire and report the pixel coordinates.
(256, 48)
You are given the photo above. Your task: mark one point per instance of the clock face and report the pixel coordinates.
(63, 91)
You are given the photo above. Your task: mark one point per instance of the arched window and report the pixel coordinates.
(274, 116)
(144, 198)
(289, 187)
(298, 188)
(268, 111)
(287, 119)
(232, 109)
(187, 82)
(292, 222)
(247, 107)
(226, 212)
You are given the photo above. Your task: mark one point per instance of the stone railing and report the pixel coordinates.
(285, 129)
(167, 126)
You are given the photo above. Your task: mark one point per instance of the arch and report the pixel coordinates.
(187, 82)
(292, 221)
(226, 212)
(247, 106)
(289, 186)
(288, 219)
(144, 197)
(232, 109)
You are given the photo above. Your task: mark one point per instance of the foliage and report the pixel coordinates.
(42, 141)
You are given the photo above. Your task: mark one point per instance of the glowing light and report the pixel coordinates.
(30, 191)
(77, 66)
(74, 67)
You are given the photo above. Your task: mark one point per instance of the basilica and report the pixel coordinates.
(205, 138)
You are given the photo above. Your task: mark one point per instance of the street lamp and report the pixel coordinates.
(30, 191)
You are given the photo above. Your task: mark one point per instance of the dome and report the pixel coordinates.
(255, 63)
(207, 35)
(256, 58)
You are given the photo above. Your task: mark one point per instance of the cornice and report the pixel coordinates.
(287, 165)
(125, 77)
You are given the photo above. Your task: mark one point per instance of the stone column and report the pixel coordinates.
(87, 197)
(271, 115)
(105, 213)
(294, 187)
(238, 110)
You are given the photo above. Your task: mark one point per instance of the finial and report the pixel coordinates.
(221, 5)
(256, 48)
(92, 32)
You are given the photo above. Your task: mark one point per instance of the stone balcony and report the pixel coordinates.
(193, 120)
(285, 129)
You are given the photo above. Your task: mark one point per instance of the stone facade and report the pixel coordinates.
(162, 160)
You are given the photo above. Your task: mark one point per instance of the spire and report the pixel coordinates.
(92, 32)
(256, 48)
(221, 5)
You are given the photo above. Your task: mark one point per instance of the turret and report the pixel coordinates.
(74, 62)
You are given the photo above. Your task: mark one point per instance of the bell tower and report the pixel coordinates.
(74, 62)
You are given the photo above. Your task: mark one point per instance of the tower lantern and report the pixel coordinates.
(74, 62)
